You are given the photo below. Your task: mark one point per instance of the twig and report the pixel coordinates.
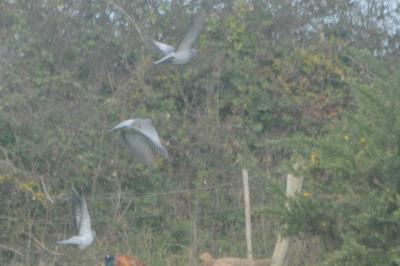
(5, 152)
(42, 245)
(183, 247)
(129, 18)
(125, 210)
(9, 218)
(45, 190)
(11, 249)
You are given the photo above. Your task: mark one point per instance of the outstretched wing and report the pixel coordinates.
(76, 205)
(122, 125)
(82, 217)
(145, 127)
(85, 227)
(138, 145)
(193, 33)
(142, 139)
(163, 47)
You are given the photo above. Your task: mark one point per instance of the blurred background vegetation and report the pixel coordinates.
(276, 84)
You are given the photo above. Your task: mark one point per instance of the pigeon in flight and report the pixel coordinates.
(142, 139)
(184, 52)
(85, 235)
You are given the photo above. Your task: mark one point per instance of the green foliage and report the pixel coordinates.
(356, 254)
(353, 174)
(266, 70)
(312, 217)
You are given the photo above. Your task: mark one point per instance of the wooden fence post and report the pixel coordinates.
(293, 185)
(195, 217)
(245, 176)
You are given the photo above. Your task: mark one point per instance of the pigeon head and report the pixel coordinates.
(109, 260)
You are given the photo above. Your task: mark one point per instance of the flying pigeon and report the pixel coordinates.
(85, 235)
(111, 260)
(142, 139)
(184, 52)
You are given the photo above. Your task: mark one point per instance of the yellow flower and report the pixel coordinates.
(346, 138)
(306, 194)
(26, 186)
(39, 196)
(314, 158)
(3, 178)
(323, 224)
(363, 141)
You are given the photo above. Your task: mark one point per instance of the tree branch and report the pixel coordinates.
(119, 8)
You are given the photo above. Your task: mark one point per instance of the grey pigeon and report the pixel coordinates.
(85, 235)
(142, 139)
(184, 52)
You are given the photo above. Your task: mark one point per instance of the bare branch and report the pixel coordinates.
(130, 18)
(45, 190)
(11, 249)
(41, 245)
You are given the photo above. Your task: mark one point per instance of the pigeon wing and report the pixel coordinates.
(146, 128)
(163, 47)
(139, 146)
(124, 124)
(142, 139)
(84, 226)
(193, 33)
(76, 201)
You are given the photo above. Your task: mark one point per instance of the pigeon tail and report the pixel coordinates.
(70, 241)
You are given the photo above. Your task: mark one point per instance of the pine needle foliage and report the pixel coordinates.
(351, 173)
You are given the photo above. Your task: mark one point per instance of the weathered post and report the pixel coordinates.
(245, 176)
(293, 185)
